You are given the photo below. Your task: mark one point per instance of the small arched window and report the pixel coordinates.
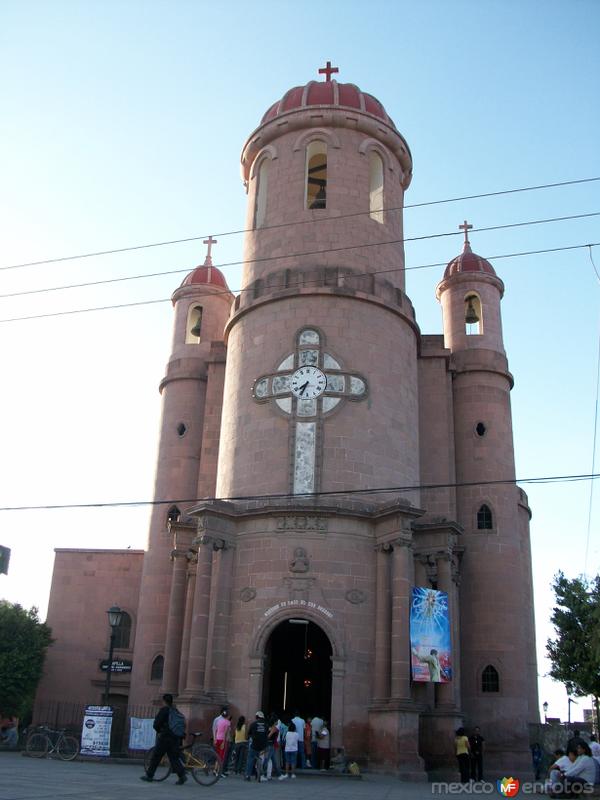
(123, 632)
(490, 680)
(260, 206)
(193, 329)
(485, 521)
(473, 315)
(173, 514)
(156, 670)
(376, 187)
(316, 175)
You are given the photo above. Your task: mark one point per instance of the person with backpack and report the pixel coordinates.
(169, 725)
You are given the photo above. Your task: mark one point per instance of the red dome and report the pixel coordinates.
(206, 275)
(468, 261)
(327, 93)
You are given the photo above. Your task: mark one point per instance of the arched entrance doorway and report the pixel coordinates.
(297, 669)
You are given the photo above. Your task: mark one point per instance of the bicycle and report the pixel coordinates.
(199, 759)
(45, 741)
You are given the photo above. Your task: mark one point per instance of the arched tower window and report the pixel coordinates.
(316, 175)
(123, 632)
(376, 187)
(490, 680)
(173, 514)
(260, 203)
(473, 315)
(485, 521)
(156, 670)
(193, 328)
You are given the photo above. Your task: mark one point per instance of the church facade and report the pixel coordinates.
(352, 456)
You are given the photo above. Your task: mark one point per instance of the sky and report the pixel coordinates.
(122, 125)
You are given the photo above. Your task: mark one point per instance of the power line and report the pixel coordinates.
(311, 496)
(169, 242)
(205, 294)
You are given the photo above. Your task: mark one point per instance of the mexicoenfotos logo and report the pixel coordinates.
(508, 787)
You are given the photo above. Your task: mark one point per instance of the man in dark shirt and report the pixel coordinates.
(257, 742)
(476, 744)
(166, 742)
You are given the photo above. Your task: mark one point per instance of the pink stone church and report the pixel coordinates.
(352, 458)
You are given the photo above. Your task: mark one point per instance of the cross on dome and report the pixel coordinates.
(466, 228)
(328, 71)
(210, 241)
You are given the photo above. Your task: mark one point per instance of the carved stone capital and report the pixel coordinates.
(383, 547)
(216, 542)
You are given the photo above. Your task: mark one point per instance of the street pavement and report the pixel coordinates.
(23, 778)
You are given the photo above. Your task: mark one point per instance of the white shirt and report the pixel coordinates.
(564, 762)
(595, 748)
(316, 725)
(584, 768)
(291, 742)
(299, 723)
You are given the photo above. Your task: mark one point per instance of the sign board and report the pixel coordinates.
(95, 731)
(117, 666)
(142, 735)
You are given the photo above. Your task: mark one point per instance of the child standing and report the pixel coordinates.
(291, 753)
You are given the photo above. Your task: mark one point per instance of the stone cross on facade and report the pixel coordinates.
(328, 71)
(466, 228)
(308, 386)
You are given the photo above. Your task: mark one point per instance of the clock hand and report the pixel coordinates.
(303, 387)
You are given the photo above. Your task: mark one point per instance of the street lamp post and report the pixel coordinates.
(114, 619)
(545, 707)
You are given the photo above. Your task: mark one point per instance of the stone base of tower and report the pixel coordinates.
(436, 742)
(394, 740)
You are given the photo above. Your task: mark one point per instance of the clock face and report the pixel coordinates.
(308, 383)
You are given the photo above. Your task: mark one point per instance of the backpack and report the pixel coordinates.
(176, 723)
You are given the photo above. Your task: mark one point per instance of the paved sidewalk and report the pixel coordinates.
(46, 779)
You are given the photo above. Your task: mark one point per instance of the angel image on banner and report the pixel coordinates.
(430, 641)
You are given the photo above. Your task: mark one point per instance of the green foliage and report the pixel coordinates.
(574, 653)
(23, 644)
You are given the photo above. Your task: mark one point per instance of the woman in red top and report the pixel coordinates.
(307, 742)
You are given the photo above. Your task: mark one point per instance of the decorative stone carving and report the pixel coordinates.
(355, 596)
(247, 594)
(299, 522)
(300, 562)
(217, 542)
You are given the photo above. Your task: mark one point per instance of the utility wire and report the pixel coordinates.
(226, 291)
(312, 495)
(297, 222)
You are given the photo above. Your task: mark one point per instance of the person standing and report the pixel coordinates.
(257, 742)
(316, 724)
(311, 758)
(299, 723)
(169, 725)
(461, 748)
(323, 747)
(240, 746)
(291, 752)
(222, 730)
(476, 744)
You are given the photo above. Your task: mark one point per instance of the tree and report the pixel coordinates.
(23, 644)
(574, 653)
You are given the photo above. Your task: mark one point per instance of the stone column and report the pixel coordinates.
(402, 571)
(187, 624)
(200, 613)
(215, 675)
(383, 623)
(175, 621)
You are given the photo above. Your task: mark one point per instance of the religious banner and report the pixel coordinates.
(95, 732)
(430, 641)
(142, 735)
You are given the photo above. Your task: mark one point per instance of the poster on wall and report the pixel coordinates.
(430, 640)
(95, 731)
(142, 735)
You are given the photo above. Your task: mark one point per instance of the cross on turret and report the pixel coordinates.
(465, 227)
(210, 241)
(328, 71)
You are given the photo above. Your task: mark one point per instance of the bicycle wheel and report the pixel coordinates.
(67, 748)
(37, 745)
(204, 764)
(164, 767)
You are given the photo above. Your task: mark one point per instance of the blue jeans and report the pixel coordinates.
(301, 757)
(252, 756)
(271, 756)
